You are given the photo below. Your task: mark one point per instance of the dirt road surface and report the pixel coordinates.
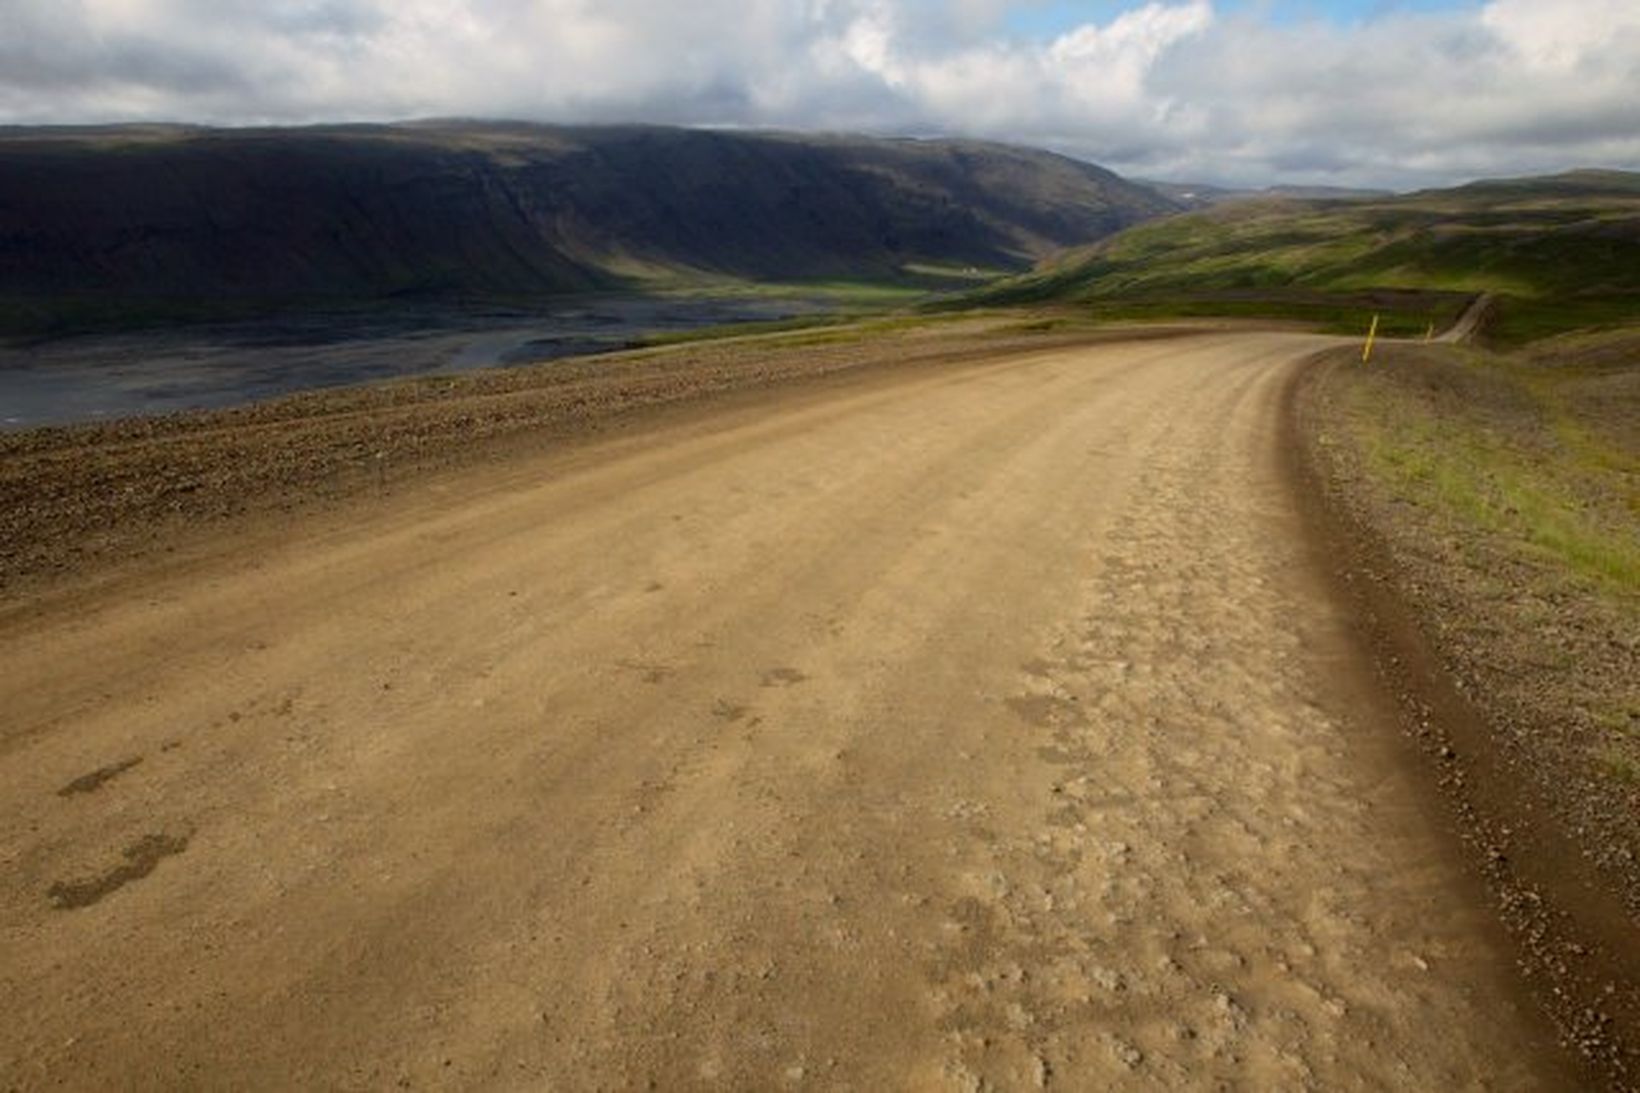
(946, 729)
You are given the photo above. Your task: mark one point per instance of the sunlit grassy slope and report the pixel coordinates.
(1559, 253)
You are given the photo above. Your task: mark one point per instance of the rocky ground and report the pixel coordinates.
(988, 722)
(1515, 644)
(1201, 859)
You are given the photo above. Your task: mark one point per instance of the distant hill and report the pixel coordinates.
(435, 209)
(1589, 182)
(1557, 252)
(1323, 193)
(1193, 195)
(1200, 195)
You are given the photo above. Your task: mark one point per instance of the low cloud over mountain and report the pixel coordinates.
(1412, 94)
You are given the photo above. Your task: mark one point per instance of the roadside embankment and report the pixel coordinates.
(1488, 507)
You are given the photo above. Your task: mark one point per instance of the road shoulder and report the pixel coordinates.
(1565, 914)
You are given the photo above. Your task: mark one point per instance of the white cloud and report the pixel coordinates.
(868, 41)
(1564, 36)
(1170, 87)
(1116, 59)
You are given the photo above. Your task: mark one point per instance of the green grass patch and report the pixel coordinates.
(1559, 254)
(1620, 766)
(821, 329)
(862, 294)
(1520, 321)
(1401, 315)
(1508, 485)
(1533, 474)
(754, 329)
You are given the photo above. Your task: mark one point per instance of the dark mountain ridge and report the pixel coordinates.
(365, 212)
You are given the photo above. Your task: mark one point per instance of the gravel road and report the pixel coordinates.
(988, 726)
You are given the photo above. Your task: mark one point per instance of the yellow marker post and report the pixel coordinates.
(1429, 335)
(1372, 336)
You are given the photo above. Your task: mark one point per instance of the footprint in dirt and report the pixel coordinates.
(95, 780)
(731, 712)
(650, 673)
(1046, 711)
(141, 858)
(783, 677)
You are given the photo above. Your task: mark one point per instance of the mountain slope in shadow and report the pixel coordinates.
(360, 213)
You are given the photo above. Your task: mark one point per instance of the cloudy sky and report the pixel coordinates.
(1350, 92)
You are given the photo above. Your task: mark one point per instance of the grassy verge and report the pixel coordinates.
(1542, 482)
(1507, 489)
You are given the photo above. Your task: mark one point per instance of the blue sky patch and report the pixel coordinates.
(1048, 18)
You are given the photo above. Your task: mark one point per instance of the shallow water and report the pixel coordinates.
(106, 376)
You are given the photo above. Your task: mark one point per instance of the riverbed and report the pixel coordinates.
(100, 377)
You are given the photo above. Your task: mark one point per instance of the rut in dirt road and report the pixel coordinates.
(981, 727)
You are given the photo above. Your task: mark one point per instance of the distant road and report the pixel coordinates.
(987, 725)
(1468, 322)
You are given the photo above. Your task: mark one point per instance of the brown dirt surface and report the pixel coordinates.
(985, 723)
(1434, 462)
(82, 500)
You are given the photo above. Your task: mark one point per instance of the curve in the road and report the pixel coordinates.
(988, 726)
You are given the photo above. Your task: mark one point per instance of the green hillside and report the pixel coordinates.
(1558, 253)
